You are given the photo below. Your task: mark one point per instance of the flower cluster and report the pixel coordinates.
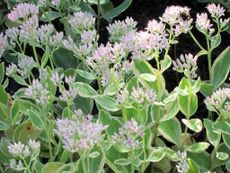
(216, 11)
(138, 95)
(46, 35)
(68, 95)
(82, 21)
(22, 151)
(203, 23)
(121, 28)
(25, 66)
(182, 166)
(219, 101)
(178, 19)
(187, 64)
(129, 135)
(79, 133)
(23, 11)
(106, 59)
(38, 92)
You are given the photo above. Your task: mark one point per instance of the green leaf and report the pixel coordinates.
(228, 166)
(2, 72)
(142, 67)
(193, 124)
(117, 10)
(156, 155)
(171, 130)
(222, 126)
(3, 95)
(113, 122)
(122, 162)
(202, 159)
(165, 63)
(193, 168)
(85, 90)
(36, 119)
(212, 135)
(94, 154)
(198, 147)
(206, 88)
(85, 104)
(20, 80)
(65, 59)
(14, 111)
(188, 104)
(226, 139)
(215, 41)
(51, 167)
(86, 75)
(50, 16)
(108, 103)
(220, 68)
(4, 143)
(148, 77)
(147, 138)
(222, 155)
(3, 126)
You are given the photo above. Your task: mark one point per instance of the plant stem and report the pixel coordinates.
(209, 55)
(132, 160)
(88, 165)
(144, 162)
(195, 40)
(26, 165)
(98, 15)
(36, 55)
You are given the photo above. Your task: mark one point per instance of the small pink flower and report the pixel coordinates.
(215, 10)
(23, 10)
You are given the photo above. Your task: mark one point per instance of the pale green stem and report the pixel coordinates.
(195, 40)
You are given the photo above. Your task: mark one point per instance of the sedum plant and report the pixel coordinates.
(86, 107)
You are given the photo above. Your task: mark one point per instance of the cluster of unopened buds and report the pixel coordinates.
(203, 23)
(23, 151)
(138, 95)
(128, 135)
(186, 64)
(219, 101)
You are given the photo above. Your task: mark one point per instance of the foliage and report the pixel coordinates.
(87, 107)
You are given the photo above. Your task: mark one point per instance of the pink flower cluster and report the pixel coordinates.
(216, 10)
(23, 11)
(128, 134)
(79, 133)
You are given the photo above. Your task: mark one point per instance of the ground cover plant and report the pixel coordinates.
(81, 106)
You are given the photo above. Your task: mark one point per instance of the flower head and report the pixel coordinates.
(38, 92)
(82, 21)
(121, 28)
(219, 102)
(25, 64)
(128, 135)
(23, 11)
(216, 11)
(80, 132)
(68, 95)
(186, 64)
(202, 22)
(178, 18)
